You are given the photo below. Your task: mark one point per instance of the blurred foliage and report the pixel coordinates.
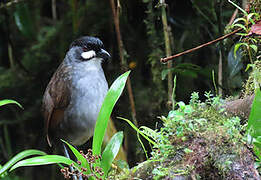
(33, 43)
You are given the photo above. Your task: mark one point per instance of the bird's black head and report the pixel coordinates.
(91, 47)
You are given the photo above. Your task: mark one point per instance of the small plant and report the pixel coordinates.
(94, 164)
(183, 131)
(247, 41)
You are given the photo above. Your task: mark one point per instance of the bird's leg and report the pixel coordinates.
(71, 168)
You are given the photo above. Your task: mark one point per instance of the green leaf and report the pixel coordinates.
(9, 101)
(104, 115)
(240, 26)
(249, 17)
(254, 47)
(182, 105)
(184, 69)
(237, 46)
(44, 160)
(257, 142)
(249, 66)
(238, 7)
(20, 156)
(111, 151)
(136, 129)
(239, 19)
(79, 157)
(254, 121)
(242, 34)
(23, 20)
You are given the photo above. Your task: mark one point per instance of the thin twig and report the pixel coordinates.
(233, 17)
(54, 12)
(166, 59)
(166, 31)
(218, 12)
(115, 12)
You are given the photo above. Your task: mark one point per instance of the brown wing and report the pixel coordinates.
(56, 98)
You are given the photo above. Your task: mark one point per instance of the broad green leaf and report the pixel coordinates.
(104, 115)
(257, 142)
(44, 160)
(18, 157)
(111, 151)
(254, 121)
(9, 101)
(24, 21)
(79, 157)
(257, 151)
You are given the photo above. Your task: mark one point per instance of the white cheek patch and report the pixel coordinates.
(88, 54)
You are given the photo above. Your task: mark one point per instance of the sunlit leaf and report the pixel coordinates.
(249, 17)
(242, 34)
(240, 19)
(241, 26)
(44, 160)
(104, 115)
(18, 157)
(111, 151)
(9, 101)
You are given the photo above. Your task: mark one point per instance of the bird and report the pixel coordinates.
(75, 93)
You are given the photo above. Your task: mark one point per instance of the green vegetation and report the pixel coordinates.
(199, 127)
(197, 139)
(90, 164)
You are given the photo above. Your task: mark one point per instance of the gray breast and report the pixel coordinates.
(89, 88)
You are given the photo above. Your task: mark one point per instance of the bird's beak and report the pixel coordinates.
(103, 54)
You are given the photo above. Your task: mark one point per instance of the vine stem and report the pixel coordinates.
(115, 13)
(166, 59)
(166, 31)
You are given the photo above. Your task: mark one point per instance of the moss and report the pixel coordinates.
(202, 142)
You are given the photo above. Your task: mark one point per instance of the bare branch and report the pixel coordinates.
(166, 59)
